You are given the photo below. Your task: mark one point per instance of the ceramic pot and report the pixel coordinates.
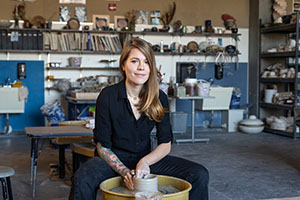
(147, 184)
(251, 129)
(251, 125)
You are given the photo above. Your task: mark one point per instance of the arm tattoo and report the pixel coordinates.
(112, 160)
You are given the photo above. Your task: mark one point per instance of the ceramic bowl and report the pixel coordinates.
(230, 49)
(251, 129)
(203, 45)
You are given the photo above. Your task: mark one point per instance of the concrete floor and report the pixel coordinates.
(241, 166)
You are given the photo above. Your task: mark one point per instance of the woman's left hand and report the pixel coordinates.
(142, 169)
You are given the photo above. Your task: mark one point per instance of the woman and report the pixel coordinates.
(126, 113)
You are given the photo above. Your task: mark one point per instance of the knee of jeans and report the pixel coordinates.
(81, 176)
(199, 175)
(203, 174)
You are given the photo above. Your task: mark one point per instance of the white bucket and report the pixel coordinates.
(190, 86)
(203, 88)
(269, 93)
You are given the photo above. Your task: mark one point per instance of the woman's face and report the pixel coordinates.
(136, 68)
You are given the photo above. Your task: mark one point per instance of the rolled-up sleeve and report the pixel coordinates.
(164, 131)
(102, 131)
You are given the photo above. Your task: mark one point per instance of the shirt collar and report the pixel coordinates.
(122, 90)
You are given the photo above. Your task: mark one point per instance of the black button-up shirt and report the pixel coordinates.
(116, 127)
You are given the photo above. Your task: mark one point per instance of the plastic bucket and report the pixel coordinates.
(203, 88)
(190, 86)
(75, 61)
(269, 93)
(178, 121)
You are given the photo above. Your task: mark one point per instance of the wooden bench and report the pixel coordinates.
(63, 143)
(81, 153)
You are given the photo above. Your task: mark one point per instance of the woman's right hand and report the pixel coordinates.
(112, 159)
(128, 180)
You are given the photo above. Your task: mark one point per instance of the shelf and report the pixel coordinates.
(80, 101)
(287, 30)
(279, 132)
(57, 79)
(32, 39)
(277, 80)
(131, 32)
(21, 51)
(282, 28)
(51, 88)
(278, 54)
(114, 53)
(59, 52)
(82, 68)
(292, 64)
(278, 106)
(184, 34)
(191, 54)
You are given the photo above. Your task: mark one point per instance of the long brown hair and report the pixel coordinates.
(149, 94)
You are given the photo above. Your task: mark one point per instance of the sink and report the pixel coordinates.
(9, 101)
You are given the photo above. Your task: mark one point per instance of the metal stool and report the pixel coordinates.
(6, 173)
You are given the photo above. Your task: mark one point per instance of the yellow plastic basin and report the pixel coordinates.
(115, 182)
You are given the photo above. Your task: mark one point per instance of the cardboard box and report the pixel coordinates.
(85, 95)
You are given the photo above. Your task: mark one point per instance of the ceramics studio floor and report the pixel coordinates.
(241, 166)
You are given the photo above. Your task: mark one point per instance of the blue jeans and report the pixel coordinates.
(87, 178)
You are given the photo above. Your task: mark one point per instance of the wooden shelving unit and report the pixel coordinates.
(286, 31)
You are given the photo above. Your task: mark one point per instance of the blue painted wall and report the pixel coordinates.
(234, 76)
(35, 84)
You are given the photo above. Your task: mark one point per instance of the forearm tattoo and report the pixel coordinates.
(112, 160)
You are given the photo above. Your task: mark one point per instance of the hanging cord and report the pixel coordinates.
(203, 66)
(221, 59)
